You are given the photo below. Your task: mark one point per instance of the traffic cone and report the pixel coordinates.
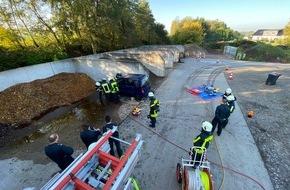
(231, 76)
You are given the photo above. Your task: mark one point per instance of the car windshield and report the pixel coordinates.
(144, 80)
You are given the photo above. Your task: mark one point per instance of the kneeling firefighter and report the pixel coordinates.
(201, 143)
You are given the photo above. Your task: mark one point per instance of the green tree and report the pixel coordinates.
(287, 34)
(174, 26)
(189, 31)
(144, 22)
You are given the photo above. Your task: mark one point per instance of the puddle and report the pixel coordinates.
(66, 122)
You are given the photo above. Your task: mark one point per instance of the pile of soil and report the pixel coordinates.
(25, 102)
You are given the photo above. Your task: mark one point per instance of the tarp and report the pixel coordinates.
(200, 92)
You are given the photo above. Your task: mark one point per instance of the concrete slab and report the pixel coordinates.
(236, 162)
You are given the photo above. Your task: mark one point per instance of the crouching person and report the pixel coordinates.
(201, 143)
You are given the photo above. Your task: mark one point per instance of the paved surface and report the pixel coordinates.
(235, 160)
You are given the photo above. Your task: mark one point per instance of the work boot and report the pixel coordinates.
(151, 126)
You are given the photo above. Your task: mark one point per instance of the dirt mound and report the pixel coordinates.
(22, 103)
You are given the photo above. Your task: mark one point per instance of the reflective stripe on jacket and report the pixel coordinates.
(154, 105)
(114, 86)
(204, 144)
(106, 87)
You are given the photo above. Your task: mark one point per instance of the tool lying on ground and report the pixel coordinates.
(195, 174)
(136, 111)
(97, 169)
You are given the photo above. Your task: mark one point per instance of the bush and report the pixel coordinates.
(30, 56)
(268, 53)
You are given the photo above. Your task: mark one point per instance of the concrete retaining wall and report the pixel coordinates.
(98, 66)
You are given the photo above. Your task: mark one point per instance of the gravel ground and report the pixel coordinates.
(269, 125)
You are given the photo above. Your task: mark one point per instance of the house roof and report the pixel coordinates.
(268, 32)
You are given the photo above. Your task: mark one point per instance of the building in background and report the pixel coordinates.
(268, 34)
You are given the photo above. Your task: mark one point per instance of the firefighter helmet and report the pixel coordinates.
(118, 75)
(207, 126)
(230, 98)
(98, 84)
(228, 91)
(150, 94)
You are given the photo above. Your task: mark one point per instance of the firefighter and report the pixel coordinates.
(230, 99)
(114, 90)
(118, 75)
(89, 135)
(109, 125)
(222, 114)
(201, 143)
(154, 108)
(59, 153)
(100, 90)
(106, 89)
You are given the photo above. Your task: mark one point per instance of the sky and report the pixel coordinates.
(239, 15)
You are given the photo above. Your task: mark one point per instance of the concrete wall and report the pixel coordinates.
(170, 54)
(152, 60)
(97, 66)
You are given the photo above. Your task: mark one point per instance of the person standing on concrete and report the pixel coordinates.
(154, 108)
(107, 127)
(106, 89)
(230, 99)
(201, 143)
(222, 114)
(100, 90)
(59, 153)
(89, 135)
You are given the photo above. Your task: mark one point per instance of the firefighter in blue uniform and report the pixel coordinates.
(221, 118)
(228, 95)
(59, 153)
(89, 135)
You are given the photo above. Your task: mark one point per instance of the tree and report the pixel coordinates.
(189, 31)
(287, 34)
(174, 26)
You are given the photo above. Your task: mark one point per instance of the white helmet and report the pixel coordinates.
(230, 98)
(98, 84)
(207, 126)
(150, 94)
(104, 79)
(228, 91)
(109, 79)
